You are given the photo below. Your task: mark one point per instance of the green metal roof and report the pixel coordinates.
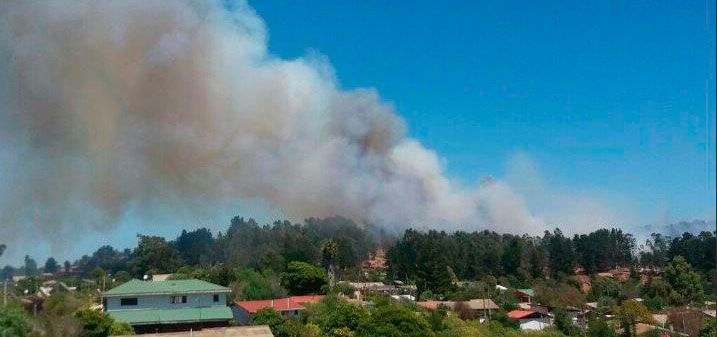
(165, 316)
(137, 287)
(527, 291)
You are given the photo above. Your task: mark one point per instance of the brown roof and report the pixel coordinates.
(234, 331)
(475, 304)
(482, 304)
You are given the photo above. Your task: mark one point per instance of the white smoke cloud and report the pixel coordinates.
(152, 103)
(556, 205)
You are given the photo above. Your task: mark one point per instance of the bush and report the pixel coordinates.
(13, 323)
(302, 278)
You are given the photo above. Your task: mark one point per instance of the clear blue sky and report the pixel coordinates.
(607, 95)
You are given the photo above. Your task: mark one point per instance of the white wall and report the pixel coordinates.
(164, 302)
(534, 323)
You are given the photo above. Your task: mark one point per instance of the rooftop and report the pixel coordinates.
(526, 291)
(234, 331)
(137, 287)
(519, 314)
(279, 304)
(166, 316)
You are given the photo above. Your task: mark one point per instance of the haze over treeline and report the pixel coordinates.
(469, 255)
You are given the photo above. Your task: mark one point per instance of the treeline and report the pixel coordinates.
(245, 244)
(433, 260)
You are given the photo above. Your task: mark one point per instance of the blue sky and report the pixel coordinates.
(607, 96)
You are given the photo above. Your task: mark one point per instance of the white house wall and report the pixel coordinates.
(534, 323)
(164, 302)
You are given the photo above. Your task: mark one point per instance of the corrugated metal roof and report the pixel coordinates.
(234, 331)
(137, 287)
(527, 291)
(518, 314)
(165, 316)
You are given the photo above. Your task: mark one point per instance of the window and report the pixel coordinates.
(178, 299)
(216, 298)
(128, 301)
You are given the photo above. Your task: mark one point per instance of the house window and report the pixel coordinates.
(178, 299)
(128, 301)
(216, 298)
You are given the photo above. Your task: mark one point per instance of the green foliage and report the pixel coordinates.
(501, 318)
(603, 287)
(558, 294)
(121, 328)
(604, 249)
(302, 278)
(708, 329)
(98, 274)
(57, 318)
(154, 255)
(13, 323)
(655, 303)
(630, 313)
(399, 321)
(252, 285)
(683, 283)
(247, 244)
(30, 266)
(196, 247)
(106, 258)
(94, 323)
(698, 250)
(561, 252)
(564, 323)
(455, 327)
(279, 326)
(51, 265)
(657, 251)
(332, 315)
(598, 327)
(121, 277)
(221, 275)
(344, 288)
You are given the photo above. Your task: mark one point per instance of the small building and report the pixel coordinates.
(529, 319)
(161, 277)
(524, 295)
(479, 308)
(234, 331)
(168, 306)
(287, 307)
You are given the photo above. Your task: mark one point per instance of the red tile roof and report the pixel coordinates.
(518, 314)
(279, 304)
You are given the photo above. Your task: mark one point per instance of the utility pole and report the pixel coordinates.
(4, 294)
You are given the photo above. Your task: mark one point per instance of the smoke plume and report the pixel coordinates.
(106, 105)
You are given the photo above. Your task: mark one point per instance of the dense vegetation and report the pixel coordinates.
(268, 261)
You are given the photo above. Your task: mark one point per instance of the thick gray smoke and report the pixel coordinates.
(110, 104)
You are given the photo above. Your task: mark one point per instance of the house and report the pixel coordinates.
(529, 319)
(524, 295)
(167, 306)
(500, 287)
(479, 308)
(287, 307)
(234, 331)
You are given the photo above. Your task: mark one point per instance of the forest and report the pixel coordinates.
(284, 258)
